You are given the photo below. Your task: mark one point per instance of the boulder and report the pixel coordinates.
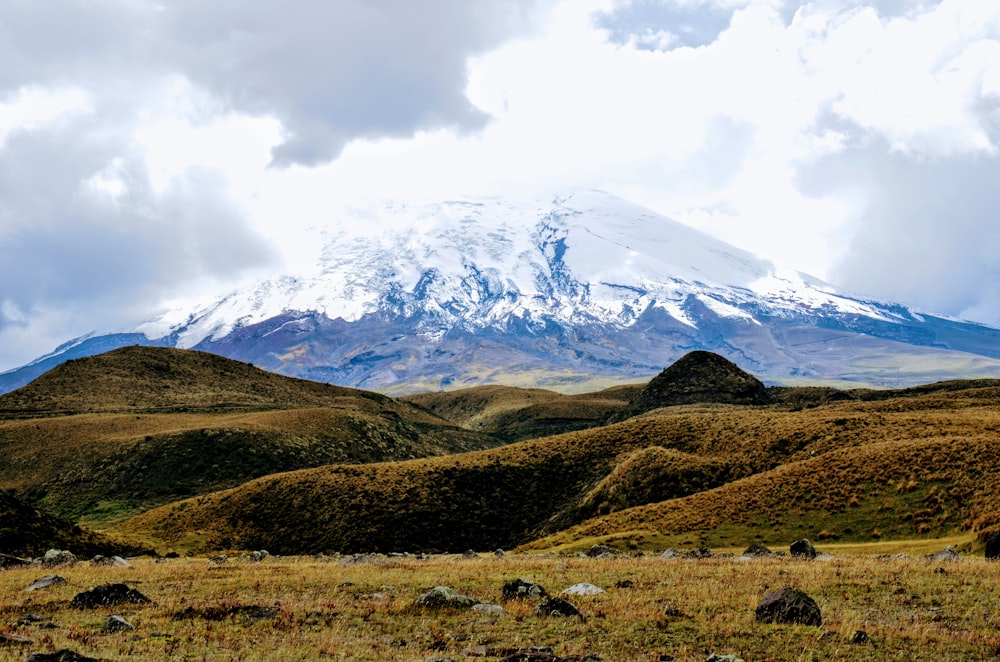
(108, 594)
(802, 549)
(8, 561)
(601, 552)
(443, 596)
(788, 605)
(117, 623)
(583, 588)
(993, 546)
(756, 549)
(522, 588)
(487, 609)
(115, 561)
(45, 582)
(949, 553)
(557, 607)
(57, 557)
(63, 655)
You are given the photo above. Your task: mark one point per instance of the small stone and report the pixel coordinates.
(64, 655)
(557, 607)
(860, 637)
(117, 623)
(522, 588)
(583, 588)
(444, 596)
(723, 658)
(488, 609)
(14, 640)
(45, 582)
(219, 560)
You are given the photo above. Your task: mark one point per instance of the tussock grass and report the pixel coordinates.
(305, 608)
(923, 464)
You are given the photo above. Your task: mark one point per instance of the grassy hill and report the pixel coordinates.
(27, 532)
(911, 463)
(512, 413)
(105, 437)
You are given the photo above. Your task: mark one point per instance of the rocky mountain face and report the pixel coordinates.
(571, 293)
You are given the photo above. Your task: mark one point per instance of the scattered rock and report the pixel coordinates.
(443, 596)
(949, 553)
(45, 582)
(522, 588)
(470, 554)
(115, 561)
(601, 552)
(993, 546)
(557, 607)
(756, 549)
(583, 588)
(802, 549)
(723, 658)
(362, 559)
(57, 557)
(108, 594)
(64, 655)
(670, 554)
(487, 609)
(860, 638)
(14, 640)
(8, 561)
(257, 556)
(700, 553)
(788, 605)
(117, 623)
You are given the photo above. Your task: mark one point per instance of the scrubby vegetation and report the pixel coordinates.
(652, 609)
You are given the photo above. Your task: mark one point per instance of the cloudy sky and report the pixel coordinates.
(151, 152)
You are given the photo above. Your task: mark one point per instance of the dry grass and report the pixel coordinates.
(921, 465)
(305, 608)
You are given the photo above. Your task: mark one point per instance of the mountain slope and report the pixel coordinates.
(575, 293)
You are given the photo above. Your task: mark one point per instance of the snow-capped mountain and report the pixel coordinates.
(577, 290)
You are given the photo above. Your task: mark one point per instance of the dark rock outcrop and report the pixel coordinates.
(993, 546)
(802, 549)
(557, 607)
(108, 594)
(522, 588)
(788, 605)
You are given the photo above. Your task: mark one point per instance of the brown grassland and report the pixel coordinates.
(305, 608)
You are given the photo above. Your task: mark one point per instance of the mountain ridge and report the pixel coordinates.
(574, 293)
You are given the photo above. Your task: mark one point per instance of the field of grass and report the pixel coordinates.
(307, 608)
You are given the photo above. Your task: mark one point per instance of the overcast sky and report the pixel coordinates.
(155, 151)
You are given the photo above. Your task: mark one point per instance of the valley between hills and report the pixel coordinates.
(365, 502)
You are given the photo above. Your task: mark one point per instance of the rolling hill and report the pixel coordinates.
(854, 466)
(111, 435)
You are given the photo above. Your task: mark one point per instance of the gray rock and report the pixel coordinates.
(488, 609)
(601, 552)
(723, 658)
(522, 588)
(756, 549)
(117, 623)
(257, 556)
(583, 588)
(802, 549)
(700, 553)
(45, 582)
(57, 557)
(115, 561)
(949, 553)
(14, 640)
(444, 596)
(788, 605)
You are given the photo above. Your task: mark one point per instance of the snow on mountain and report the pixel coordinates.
(569, 292)
(589, 257)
